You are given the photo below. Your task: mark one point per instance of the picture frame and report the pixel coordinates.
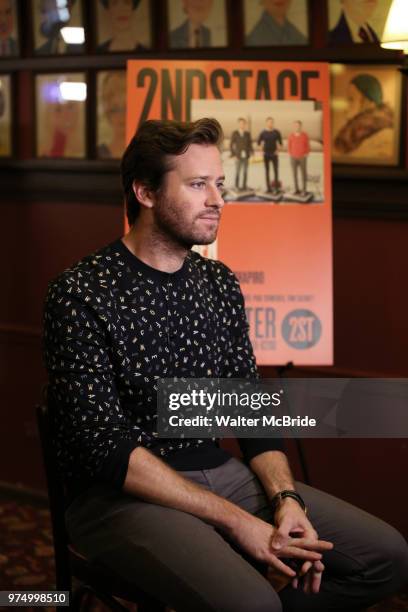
(351, 22)
(122, 26)
(60, 112)
(6, 116)
(9, 30)
(58, 27)
(193, 25)
(268, 24)
(110, 114)
(366, 114)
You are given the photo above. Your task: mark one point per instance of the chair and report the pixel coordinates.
(69, 564)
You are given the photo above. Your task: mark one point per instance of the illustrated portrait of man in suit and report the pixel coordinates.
(8, 44)
(241, 149)
(353, 25)
(54, 16)
(274, 27)
(192, 33)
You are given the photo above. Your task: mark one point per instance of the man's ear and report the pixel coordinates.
(144, 195)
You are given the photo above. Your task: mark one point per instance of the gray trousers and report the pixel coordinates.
(241, 165)
(296, 164)
(274, 160)
(189, 565)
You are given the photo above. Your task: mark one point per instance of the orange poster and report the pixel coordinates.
(275, 232)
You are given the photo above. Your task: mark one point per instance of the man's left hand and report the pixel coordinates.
(291, 520)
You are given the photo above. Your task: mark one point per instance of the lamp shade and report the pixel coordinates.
(395, 35)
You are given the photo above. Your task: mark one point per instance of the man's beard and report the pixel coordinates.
(169, 224)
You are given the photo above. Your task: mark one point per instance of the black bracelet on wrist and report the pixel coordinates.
(279, 497)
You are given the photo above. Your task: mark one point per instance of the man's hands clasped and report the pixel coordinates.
(293, 538)
(292, 523)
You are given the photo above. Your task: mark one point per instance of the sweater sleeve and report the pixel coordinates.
(93, 437)
(290, 144)
(307, 144)
(240, 363)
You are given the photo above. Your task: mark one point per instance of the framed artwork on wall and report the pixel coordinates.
(122, 26)
(111, 114)
(193, 25)
(268, 23)
(9, 36)
(5, 116)
(352, 21)
(366, 112)
(58, 27)
(60, 115)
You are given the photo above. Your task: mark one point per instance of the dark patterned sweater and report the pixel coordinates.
(112, 326)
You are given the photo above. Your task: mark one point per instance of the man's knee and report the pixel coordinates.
(393, 553)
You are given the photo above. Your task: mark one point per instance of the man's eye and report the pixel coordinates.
(221, 187)
(198, 184)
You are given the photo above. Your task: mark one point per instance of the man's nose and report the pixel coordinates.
(214, 197)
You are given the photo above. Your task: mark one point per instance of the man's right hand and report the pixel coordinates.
(255, 537)
(149, 478)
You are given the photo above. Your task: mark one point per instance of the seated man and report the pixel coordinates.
(198, 529)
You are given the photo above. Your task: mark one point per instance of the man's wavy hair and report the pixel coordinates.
(147, 157)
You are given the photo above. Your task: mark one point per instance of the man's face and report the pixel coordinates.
(6, 18)
(189, 204)
(297, 126)
(355, 101)
(269, 124)
(359, 11)
(277, 8)
(242, 124)
(197, 10)
(120, 14)
(65, 116)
